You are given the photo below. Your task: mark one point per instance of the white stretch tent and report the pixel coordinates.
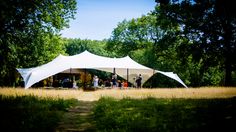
(125, 67)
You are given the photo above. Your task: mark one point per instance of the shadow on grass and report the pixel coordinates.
(30, 113)
(173, 115)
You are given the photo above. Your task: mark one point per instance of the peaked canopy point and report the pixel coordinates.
(124, 67)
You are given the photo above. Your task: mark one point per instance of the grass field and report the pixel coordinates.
(30, 113)
(166, 115)
(195, 93)
(161, 109)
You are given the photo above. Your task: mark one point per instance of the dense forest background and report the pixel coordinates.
(193, 38)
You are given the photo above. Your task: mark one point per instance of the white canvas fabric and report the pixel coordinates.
(124, 67)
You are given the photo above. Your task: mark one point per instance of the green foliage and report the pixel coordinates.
(76, 46)
(176, 115)
(133, 35)
(209, 28)
(29, 33)
(190, 38)
(44, 49)
(215, 80)
(147, 43)
(29, 113)
(161, 81)
(195, 39)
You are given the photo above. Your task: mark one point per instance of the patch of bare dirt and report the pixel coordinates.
(78, 118)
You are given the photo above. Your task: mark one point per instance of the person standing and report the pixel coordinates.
(125, 84)
(75, 85)
(139, 81)
(95, 81)
(119, 84)
(135, 82)
(50, 81)
(114, 80)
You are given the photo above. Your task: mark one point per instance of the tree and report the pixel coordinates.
(209, 28)
(28, 28)
(158, 42)
(134, 37)
(146, 42)
(76, 46)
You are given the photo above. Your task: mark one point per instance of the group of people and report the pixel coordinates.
(115, 83)
(112, 82)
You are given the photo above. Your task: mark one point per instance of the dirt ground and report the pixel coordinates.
(78, 118)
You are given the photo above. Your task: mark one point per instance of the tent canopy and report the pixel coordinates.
(124, 67)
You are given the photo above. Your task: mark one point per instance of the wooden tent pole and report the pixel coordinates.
(127, 77)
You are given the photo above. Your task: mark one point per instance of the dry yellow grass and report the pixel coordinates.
(41, 92)
(197, 93)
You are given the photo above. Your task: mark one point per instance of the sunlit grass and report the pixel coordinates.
(41, 92)
(195, 93)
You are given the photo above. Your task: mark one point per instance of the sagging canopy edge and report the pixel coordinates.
(87, 60)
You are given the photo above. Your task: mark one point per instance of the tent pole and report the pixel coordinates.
(128, 77)
(70, 78)
(152, 78)
(85, 80)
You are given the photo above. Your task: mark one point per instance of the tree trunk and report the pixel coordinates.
(228, 53)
